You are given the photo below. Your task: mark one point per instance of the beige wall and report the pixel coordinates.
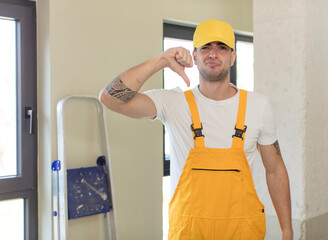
(82, 46)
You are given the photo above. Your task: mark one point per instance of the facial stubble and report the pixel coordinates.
(214, 77)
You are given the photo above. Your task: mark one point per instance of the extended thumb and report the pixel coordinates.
(185, 78)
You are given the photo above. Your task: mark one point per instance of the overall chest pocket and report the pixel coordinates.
(216, 192)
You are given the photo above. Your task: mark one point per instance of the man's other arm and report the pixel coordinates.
(278, 185)
(122, 96)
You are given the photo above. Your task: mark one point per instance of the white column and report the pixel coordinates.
(290, 42)
(316, 141)
(279, 69)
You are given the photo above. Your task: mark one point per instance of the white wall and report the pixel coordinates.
(317, 109)
(82, 46)
(290, 67)
(279, 73)
(316, 143)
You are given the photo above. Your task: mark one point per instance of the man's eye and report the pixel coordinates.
(204, 48)
(224, 48)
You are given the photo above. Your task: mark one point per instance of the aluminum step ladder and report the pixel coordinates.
(59, 173)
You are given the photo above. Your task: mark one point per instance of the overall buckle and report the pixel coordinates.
(197, 131)
(239, 132)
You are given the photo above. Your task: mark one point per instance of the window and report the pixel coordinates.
(18, 139)
(241, 74)
(176, 35)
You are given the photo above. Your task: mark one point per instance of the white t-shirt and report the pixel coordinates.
(218, 119)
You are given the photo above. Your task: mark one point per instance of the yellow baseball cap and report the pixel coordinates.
(214, 30)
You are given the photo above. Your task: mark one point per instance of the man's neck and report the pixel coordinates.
(216, 90)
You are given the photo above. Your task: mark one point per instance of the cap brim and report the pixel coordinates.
(214, 39)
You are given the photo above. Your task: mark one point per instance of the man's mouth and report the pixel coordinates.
(212, 64)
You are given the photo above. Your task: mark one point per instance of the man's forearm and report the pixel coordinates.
(126, 85)
(278, 185)
(135, 77)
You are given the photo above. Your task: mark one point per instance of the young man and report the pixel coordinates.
(215, 130)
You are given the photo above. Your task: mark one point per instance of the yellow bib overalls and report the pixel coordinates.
(215, 197)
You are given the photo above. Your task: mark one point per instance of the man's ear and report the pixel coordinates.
(194, 56)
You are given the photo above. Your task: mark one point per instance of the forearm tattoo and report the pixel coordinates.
(118, 89)
(276, 146)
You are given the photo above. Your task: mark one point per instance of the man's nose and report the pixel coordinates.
(213, 52)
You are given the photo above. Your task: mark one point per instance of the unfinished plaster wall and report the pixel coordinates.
(279, 54)
(290, 66)
(316, 142)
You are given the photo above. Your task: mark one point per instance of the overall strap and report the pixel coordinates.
(239, 136)
(196, 127)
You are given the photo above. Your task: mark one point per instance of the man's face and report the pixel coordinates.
(214, 61)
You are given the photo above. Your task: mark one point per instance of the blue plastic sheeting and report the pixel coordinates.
(87, 192)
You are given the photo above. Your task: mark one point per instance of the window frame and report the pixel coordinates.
(24, 184)
(186, 32)
(181, 32)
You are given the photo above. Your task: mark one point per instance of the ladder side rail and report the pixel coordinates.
(62, 178)
(111, 215)
(62, 191)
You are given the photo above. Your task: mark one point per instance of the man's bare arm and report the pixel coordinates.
(278, 185)
(118, 89)
(116, 96)
(122, 96)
